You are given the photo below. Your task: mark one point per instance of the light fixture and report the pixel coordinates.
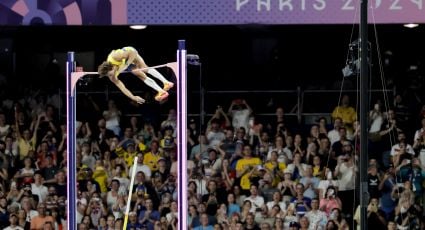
(411, 25)
(193, 59)
(352, 67)
(138, 27)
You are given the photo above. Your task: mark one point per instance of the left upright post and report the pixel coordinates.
(70, 142)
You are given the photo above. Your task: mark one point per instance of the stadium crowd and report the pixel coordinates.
(244, 172)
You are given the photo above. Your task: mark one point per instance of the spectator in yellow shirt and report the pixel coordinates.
(246, 167)
(344, 111)
(151, 158)
(128, 152)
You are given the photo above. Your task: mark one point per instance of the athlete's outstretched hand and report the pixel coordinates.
(138, 99)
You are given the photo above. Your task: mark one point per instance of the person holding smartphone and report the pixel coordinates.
(330, 201)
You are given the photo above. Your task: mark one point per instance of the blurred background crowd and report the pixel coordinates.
(245, 172)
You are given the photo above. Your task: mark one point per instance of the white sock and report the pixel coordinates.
(157, 75)
(148, 81)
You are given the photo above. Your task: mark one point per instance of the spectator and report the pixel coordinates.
(13, 220)
(60, 184)
(277, 200)
(316, 217)
(215, 134)
(256, 200)
(347, 113)
(26, 141)
(112, 116)
(388, 136)
(278, 147)
(265, 226)
(250, 222)
(290, 217)
(232, 207)
(173, 214)
(151, 158)
(375, 217)
(297, 168)
(38, 188)
(215, 157)
(38, 221)
(23, 219)
(286, 186)
(333, 135)
(25, 174)
(221, 117)
(397, 148)
(240, 111)
(144, 168)
(4, 127)
(50, 170)
(11, 153)
(246, 167)
(110, 222)
(318, 167)
(414, 173)
(118, 208)
(228, 144)
(373, 181)
(204, 223)
(310, 183)
(275, 167)
(149, 216)
(341, 146)
(330, 201)
(48, 121)
(168, 141)
(228, 175)
(147, 133)
(301, 203)
(338, 219)
(200, 220)
(100, 177)
(200, 151)
(346, 171)
(278, 224)
(239, 197)
(171, 121)
(112, 195)
(304, 223)
(192, 214)
(273, 124)
(214, 198)
(84, 133)
(103, 135)
(323, 127)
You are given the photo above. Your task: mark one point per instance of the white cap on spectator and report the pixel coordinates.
(161, 159)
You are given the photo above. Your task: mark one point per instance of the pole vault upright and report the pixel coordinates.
(181, 135)
(71, 81)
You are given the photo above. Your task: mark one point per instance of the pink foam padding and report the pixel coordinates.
(21, 8)
(119, 12)
(73, 14)
(173, 66)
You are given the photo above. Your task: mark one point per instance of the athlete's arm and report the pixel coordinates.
(126, 92)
